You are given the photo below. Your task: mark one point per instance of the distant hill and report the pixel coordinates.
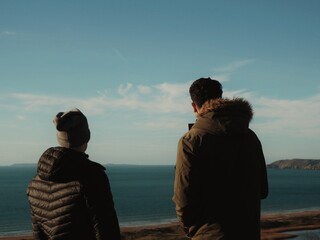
(24, 165)
(306, 164)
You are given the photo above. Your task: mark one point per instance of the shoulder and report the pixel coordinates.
(95, 178)
(253, 136)
(192, 140)
(94, 171)
(55, 151)
(195, 134)
(95, 166)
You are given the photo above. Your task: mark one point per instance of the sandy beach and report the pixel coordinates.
(273, 227)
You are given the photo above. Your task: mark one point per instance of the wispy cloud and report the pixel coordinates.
(124, 90)
(223, 73)
(119, 55)
(7, 33)
(34, 103)
(161, 98)
(234, 65)
(290, 117)
(165, 97)
(144, 89)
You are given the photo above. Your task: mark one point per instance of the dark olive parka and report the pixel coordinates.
(221, 174)
(70, 198)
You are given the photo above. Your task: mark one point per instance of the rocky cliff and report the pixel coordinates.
(307, 164)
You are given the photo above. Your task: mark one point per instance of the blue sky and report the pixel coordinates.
(128, 65)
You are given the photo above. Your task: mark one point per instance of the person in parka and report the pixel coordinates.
(221, 173)
(70, 197)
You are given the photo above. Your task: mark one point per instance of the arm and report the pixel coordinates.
(37, 233)
(264, 176)
(101, 206)
(183, 185)
(264, 187)
(36, 229)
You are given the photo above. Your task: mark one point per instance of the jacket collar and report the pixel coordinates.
(224, 115)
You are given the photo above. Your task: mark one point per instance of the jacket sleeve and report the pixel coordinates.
(264, 186)
(37, 233)
(101, 206)
(264, 175)
(184, 189)
(36, 230)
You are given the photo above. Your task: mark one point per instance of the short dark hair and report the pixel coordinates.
(204, 89)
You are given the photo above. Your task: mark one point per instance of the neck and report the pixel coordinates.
(81, 148)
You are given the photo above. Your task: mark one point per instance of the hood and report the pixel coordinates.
(61, 164)
(228, 116)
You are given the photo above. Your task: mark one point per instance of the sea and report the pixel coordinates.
(143, 195)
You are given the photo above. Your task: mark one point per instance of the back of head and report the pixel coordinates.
(72, 128)
(204, 89)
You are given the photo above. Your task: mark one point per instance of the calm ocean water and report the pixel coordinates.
(142, 194)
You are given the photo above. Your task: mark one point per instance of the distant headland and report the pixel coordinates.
(305, 164)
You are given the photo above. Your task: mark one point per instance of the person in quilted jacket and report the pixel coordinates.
(70, 197)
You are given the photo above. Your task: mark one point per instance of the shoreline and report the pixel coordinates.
(274, 226)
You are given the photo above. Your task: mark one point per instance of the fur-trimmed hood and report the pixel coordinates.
(225, 106)
(226, 115)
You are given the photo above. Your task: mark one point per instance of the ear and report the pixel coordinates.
(194, 106)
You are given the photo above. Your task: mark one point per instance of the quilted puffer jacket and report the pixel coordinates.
(70, 198)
